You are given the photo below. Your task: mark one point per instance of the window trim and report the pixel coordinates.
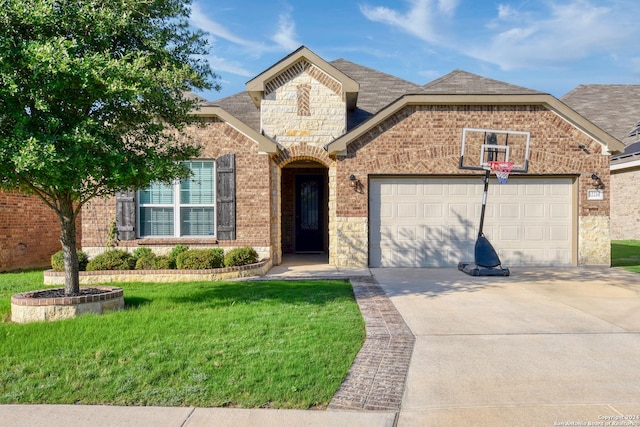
(177, 208)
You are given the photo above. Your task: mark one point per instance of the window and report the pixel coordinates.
(185, 208)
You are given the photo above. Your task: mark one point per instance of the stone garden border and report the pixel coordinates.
(162, 276)
(26, 309)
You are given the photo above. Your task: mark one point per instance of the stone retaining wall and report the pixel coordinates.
(162, 276)
(25, 309)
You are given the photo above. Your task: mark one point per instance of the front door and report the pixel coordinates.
(310, 208)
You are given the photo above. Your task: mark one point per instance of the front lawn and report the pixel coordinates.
(241, 344)
(626, 253)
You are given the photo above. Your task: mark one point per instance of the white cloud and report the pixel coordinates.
(286, 34)
(418, 21)
(505, 11)
(221, 65)
(566, 33)
(200, 20)
(448, 6)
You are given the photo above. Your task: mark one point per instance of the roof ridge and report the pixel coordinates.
(373, 70)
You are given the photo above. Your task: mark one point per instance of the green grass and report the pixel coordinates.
(239, 344)
(626, 253)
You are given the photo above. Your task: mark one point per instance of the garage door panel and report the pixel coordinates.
(508, 211)
(559, 210)
(533, 210)
(558, 233)
(432, 210)
(434, 222)
(510, 232)
(534, 232)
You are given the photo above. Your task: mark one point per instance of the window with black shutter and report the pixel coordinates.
(202, 205)
(226, 193)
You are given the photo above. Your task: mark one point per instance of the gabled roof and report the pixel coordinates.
(265, 145)
(615, 108)
(377, 89)
(256, 86)
(465, 83)
(241, 106)
(548, 101)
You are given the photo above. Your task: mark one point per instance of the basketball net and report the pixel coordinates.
(502, 170)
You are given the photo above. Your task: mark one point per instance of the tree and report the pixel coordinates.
(92, 100)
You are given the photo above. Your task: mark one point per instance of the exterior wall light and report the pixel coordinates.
(356, 184)
(597, 182)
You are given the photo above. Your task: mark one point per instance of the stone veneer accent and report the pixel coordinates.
(162, 276)
(593, 241)
(327, 115)
(349, 242)
(27, 310)
(625, 221)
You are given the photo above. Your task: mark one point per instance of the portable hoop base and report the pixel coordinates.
(473, 269)
(487, 262)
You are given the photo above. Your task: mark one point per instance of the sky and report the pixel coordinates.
(548, 45)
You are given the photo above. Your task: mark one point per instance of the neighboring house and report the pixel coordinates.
(616, 109)
(337, 158)
(29, 232)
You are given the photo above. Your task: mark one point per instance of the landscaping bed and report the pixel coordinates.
(55, 278)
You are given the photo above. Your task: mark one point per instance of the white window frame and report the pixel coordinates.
(176, 206)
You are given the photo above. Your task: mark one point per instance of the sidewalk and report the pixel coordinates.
(130, 416)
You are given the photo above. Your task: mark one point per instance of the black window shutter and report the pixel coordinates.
(226, 197)
(126, 215)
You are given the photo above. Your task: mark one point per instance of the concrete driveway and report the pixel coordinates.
(543, 347)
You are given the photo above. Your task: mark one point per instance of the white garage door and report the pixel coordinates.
(433, 222)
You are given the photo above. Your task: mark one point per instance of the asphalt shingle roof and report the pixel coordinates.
(377, 89)
(614, 108)
(242, 107)
(460, 82)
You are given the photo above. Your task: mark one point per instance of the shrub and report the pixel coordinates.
(240, 256)
(177, 250)
(112, 259)
(143, 252)
(147, 262)
(164, 263)
(200, 259)
(57, 261)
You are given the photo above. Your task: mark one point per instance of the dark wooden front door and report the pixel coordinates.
(310, 211)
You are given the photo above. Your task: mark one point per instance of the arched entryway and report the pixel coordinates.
(305, 208)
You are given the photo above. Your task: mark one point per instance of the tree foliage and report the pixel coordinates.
(92, 99)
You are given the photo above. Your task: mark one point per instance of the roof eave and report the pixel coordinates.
(265, 145)
(612, 144)
(350, 87)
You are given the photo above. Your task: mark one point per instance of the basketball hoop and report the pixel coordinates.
(502, 170)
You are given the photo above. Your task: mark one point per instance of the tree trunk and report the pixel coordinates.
(68, 241)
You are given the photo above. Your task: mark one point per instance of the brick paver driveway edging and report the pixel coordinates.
(377, 376)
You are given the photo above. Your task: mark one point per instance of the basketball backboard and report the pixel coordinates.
(481, 146)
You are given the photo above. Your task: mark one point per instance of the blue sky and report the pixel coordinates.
(547, 45)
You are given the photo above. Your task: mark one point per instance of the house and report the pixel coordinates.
(337, 158)
(616, 109)
(29, 232)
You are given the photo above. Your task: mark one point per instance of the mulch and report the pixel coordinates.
(59, 293)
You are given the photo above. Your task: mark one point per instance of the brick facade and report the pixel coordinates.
(29, 232)
(253, 197)
(625, 221)
(425, 140)
(303, 108)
